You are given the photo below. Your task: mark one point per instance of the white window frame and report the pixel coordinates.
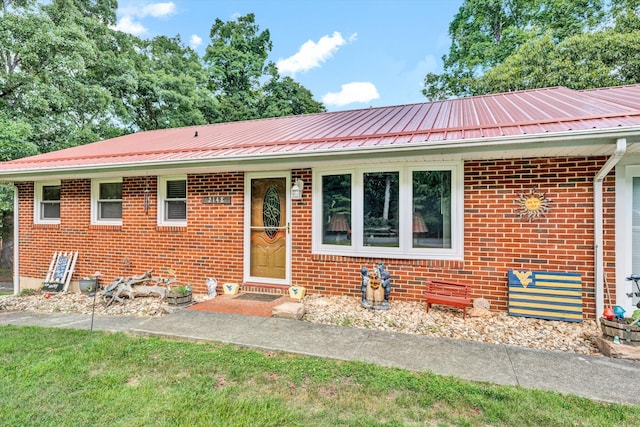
(95, 194)
(162, 198)
(405, 250)
(38, 200)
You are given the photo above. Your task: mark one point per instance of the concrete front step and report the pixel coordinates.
(288, 310)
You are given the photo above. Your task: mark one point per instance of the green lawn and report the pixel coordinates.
(56, 377)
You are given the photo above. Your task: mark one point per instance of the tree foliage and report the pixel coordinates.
(237, 63)
(503, 45)
(74, 79)
(68, 78)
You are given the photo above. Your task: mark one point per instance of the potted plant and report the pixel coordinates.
(179, 295)
(88, 284)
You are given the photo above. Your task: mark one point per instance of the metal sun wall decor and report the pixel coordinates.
(532, 205)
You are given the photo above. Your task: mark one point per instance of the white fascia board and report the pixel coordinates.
(255, 162)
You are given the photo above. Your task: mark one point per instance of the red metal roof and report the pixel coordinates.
(539, 111)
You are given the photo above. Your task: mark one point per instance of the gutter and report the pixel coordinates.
(621, 148)
(16, 236)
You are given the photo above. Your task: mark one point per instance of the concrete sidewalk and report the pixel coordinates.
(598, 378)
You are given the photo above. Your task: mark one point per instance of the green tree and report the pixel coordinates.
(236, 61)
(14, 143)
(485, 33)
(48, 51)
(171, 85)
(600, 59)
(283, 96)
(243, 83)
(14, 139)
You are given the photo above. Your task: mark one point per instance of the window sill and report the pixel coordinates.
(171, 228)
(53, 225)
(113, 227)
(397, 260)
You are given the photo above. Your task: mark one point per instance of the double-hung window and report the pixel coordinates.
(172, 200)
(401, 211)
(47, 202)
(106, 201)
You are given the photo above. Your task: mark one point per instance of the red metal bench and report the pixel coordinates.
(448, 293)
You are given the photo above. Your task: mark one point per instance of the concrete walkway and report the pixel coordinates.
(598, 378)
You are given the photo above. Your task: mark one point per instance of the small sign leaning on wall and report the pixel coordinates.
(216, 200)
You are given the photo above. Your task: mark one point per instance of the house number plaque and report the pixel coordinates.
(216, 200)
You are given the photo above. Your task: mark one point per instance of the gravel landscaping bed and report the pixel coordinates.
(403, 317)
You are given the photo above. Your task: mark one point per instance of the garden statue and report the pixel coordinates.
(376, 287)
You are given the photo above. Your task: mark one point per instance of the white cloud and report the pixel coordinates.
(158, 10)
(312, 54)
(128, 24)
(195, 41)
(360, 92)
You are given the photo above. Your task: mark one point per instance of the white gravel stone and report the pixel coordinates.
(444, 322)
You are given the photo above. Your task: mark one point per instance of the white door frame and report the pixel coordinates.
(624, 236)
(247, 227)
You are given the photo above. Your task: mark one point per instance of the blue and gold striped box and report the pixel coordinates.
(545, 295)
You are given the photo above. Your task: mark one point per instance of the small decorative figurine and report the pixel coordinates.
(376, 287)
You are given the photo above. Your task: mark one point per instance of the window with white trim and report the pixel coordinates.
(106, 201)
(47, 202)
(172, 200)
(396, 211)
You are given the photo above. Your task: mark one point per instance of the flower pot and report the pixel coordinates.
(297, 292)
(179, 299)
(231, 288)
(629, 334)
(87, 285)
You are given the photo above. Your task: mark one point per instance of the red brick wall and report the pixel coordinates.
(496, 239)
(212, 243)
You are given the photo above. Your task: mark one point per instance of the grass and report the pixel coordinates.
(79, 378)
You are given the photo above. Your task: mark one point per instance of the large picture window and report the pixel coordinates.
(381, 210)
(336, 209)
(106, 196)
(431, 217)
(172, 200)
(47, 203)
(399, 211)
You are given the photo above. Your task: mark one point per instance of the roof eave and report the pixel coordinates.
(522, 144)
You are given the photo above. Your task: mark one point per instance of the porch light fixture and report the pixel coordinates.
(296, 189)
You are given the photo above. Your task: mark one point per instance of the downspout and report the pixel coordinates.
(621, 148)
(16, 235)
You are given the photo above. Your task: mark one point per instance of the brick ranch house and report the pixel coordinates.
(463, 190)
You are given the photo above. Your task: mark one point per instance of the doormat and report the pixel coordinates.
(258, 297)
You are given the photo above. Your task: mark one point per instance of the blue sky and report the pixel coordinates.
(350, 53)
